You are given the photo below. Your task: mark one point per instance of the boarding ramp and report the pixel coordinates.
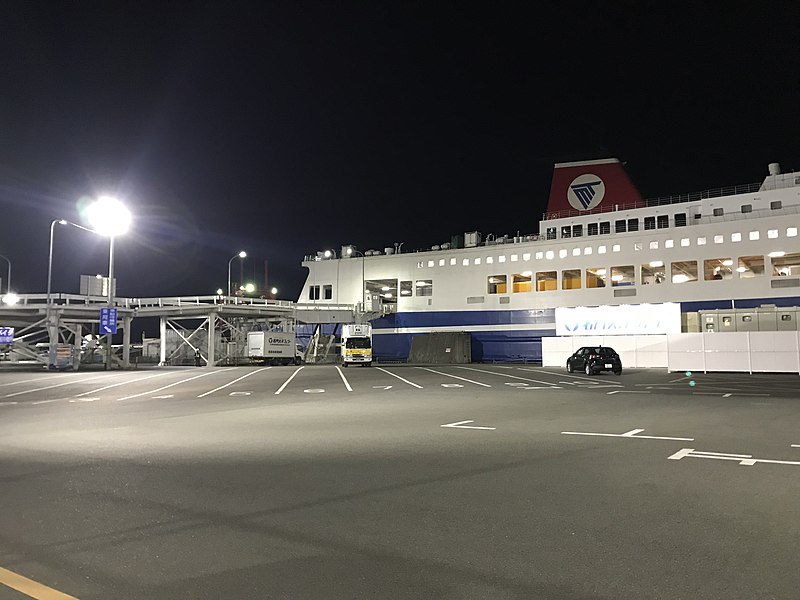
(441, 348)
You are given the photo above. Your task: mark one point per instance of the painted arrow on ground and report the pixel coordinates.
(463, 425)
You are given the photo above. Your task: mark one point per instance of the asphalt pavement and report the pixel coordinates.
(399, 481)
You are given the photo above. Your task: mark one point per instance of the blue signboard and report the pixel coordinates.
(6, 335)
(108, 320)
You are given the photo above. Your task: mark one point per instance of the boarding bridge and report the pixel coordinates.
(211, 329)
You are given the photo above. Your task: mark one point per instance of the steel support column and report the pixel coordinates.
(163, 332)
(126, 342)
(212, 339)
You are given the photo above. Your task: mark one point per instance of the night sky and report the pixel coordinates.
(291, 127)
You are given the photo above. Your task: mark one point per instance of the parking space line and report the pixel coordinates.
(49, 387)
(29, 587)
(113, 385)
(222, 387)
(583, 378)
(165, 387)
(454, 377)
(509, 376)
(633, 433)
(48, 376)
(419, 387)
(346, 384)
(285, 383)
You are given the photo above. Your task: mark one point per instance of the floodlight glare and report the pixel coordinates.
(108, 216)
(10, 299)
(249, 288)
(274, 291)
(242, 254)
(219, 292)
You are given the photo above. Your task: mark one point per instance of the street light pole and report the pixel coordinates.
(8, 279)
(241, 254)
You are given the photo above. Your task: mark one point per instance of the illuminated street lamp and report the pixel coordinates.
(219, 291)
(241, 254)
(10, 299)
(248, 288)
(109, 217)
(274, 291)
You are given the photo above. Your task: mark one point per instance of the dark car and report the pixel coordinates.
(593, 359)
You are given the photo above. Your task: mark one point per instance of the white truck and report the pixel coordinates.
(357, 344)
(273, 348)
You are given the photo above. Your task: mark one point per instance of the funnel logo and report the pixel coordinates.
(586, 192)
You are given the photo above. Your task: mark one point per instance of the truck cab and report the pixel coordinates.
(357, 345)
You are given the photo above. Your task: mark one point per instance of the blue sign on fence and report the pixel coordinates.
(108, 320)
(6, 335)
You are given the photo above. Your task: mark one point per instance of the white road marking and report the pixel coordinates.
(381, 387)
(50, 387)
(419, 387)
(240, 394)
(633, 433)
(113, 385)
(583, 378)
(506, 375)
(285, 383)
(346, 383)
(47, 376)
(625, 392)
(455, 377)
(166, 386)
(164, 397)
(743, 459)
(222, 387)
(84, 400)
(795, 445)
(8, 403)
(451, 385)
(47, 401)
(463, 425)
(727, 395)
(314, 391)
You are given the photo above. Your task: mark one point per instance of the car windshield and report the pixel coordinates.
(606, 351)
(358, 343)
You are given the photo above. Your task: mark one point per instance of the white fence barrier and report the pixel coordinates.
(748, 352)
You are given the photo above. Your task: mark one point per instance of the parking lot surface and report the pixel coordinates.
(399, 481)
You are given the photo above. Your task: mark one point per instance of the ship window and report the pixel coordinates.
(684, 242)
(680, 219)
(501, 259)
(653, 245)
(649, 223)
(551, 233)
(750, 266)
(521, 282)
(622, 276)
(526, 256)
(576, 252)
(464, 262)
(754, 236)
(747, 208)
(775, 205)
(420, 264)
(489, 260)
(633, 224)
(684, 271)
(566, 230)
(496, 284)
(747, 318)
(718, 239)
(791, 232)
(637, 246)
(406, 288)
(424, 287)
(605, 227)
(786, 317)
(539, 255)
(441, 262)
(587, 251)
(669, 243)
(313, 292)
(701, 241)
(591, 228)
(788, 264)
(662, 221)
(772, 233)
(718, 212)
(596, 278)
(736, 237)
(477, 261)
(546, 281)
(562, 253)
(549, 255)
(452, 262)
(430, 263)
(577, 230)
(601, 249)
(619, 226)
(653, 272)
(615, 248)
(514, 258)
(571, 279)
(327, 291)
(717, 269)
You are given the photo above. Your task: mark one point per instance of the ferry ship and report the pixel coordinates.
(725, 257)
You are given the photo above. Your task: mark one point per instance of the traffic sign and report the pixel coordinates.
(108, 320)
(6, 335)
